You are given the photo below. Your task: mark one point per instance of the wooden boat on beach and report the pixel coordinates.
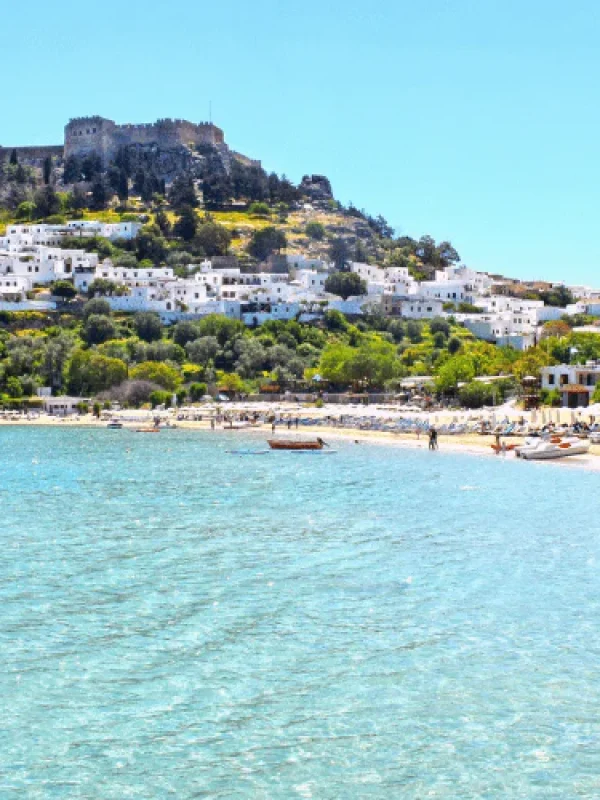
(297, 444)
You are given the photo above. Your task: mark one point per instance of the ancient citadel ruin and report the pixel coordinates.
(85, 135)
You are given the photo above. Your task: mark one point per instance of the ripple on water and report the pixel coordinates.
(180, 621)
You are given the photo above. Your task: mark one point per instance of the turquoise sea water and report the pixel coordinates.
(176, 621)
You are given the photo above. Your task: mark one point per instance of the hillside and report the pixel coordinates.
(156, 182)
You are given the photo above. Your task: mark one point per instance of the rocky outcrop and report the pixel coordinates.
(316, 188)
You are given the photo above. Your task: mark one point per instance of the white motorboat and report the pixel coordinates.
(552, 447)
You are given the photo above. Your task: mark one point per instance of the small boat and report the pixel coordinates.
(552, 447)
(147, 430)
(498, 448)
(297, 444)
(114, 423)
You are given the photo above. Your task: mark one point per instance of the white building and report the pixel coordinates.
(575, 382)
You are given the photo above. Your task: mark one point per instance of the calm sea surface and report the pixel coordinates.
(177, 621)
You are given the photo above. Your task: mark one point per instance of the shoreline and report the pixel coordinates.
(469, 443)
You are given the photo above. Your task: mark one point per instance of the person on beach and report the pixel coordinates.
(273, 427)
(433, 443)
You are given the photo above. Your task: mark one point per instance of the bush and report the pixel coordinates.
(454, 345)
(475, 395)
(439, 340)
(439, 325)
(161, 398)
(551, 397)
(259, 209)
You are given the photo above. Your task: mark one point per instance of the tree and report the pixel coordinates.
(231, 383)
(157, 372)
(163, 223)
(339, 253)
(151, 245)
(47, 202)
(64, 289)
(47, 169)
(187, 224)
(25, 210)
(225, 329)
(345, 284)
(557, 296)
(369, 365)
(197, 391)
(56, 355)
(212, 239)
(315, 230)
(458, 368)
(447, 254)
(96, 306)
(183, 193)
(266, 241)
(122, 185)
(89, 372)
(414, 331)
(14, 387)
(72, 172)
(184, 332)
(91, 167)
(103, 286)
(97, 329)
(202, 350)
(100, 194)
(148, 326)
(556, 328)
(14, 159)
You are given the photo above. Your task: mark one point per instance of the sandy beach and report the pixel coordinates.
(474, 443)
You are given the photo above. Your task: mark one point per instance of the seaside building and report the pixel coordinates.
(575, 382)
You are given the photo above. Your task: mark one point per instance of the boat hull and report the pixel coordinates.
(279, 444)
(547, 453)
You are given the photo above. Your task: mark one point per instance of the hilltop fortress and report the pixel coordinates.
(85, 135)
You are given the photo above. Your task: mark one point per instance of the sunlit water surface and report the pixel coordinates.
(177, 621)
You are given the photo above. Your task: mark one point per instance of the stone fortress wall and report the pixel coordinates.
(103, 136)
(85, 135)
(33, 156)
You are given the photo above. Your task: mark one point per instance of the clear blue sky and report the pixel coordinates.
(476, 121)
